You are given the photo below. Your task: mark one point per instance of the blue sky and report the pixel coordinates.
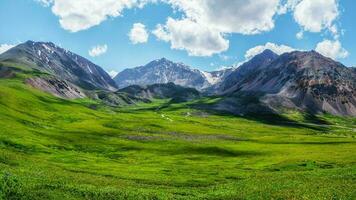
(195, 33)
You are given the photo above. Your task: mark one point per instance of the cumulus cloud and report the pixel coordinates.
(138, 34)
(161, 33)
(193, 37)
(205, 23)
(212, 21)
(331, 49)
(98, 50)
(214, 18)
(316, 15)
(278, 49)
(287, 5)
(79, 15)
(238, 16)
(5, 47)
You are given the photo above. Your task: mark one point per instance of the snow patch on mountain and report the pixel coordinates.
(162, 71)
(210, 78)
(165, 71)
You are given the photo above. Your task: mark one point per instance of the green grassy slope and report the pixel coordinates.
(57, 149)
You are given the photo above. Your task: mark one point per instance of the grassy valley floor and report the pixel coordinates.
(52, 148)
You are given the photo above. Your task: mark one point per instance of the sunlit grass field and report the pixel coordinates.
(52, 148)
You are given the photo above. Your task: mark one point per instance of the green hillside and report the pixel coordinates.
(52, 148)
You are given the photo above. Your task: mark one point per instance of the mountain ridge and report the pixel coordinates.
(50, 58)
(303, 80)
(165, 71)
(257, 62)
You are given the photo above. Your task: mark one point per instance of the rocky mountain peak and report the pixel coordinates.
(257, 62)
(165, 63)
(266, 54)
(265, 57)
(163, 60)
(302, 80)
(305, 55)
(52, 59)
(162, 71)
(306, 60)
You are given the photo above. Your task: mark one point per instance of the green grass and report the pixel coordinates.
(52, 148)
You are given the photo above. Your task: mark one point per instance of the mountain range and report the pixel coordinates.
(305, 81)
(165, 71)
(299, 80)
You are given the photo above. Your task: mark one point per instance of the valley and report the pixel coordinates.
(53, 148)
(70, 137)
(177, 100)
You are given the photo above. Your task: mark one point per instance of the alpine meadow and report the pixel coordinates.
(267, 112)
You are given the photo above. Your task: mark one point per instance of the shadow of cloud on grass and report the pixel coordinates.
(306, 142)
(261, 113)
(258, 112)
(211, 151)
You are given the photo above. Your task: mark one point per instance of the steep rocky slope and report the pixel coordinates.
(301, 80)
(162, 71)
(63, 64)
(56, 87)
(166, 71)
(234, 79)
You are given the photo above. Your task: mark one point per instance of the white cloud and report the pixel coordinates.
(195, 38)
(161, 33)
(112, 73)
(45, 3)
(227, 16)
(214, 18)
(138, 34)
(331, 49)
(209, 21)
(5, 47)
(98, 50)
(300, 35)
(224, 57)
(287, 5)
(202, 29)
(77, 15)
(316, 15)
(238, 16)
(278, 49)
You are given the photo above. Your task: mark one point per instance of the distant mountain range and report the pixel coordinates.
(305, 81)
(166, 71)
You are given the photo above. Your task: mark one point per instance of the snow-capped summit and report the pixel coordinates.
(165, 71)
